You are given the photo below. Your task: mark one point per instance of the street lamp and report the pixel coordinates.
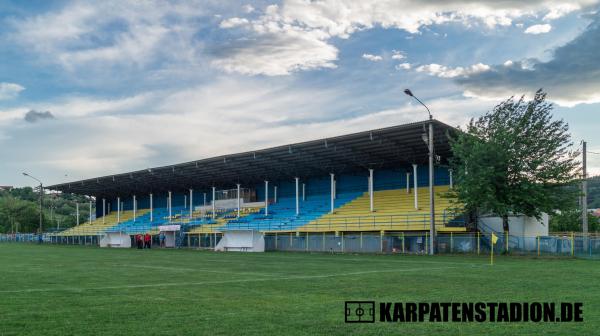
(409, 93)
(429, 143)
(41, 195)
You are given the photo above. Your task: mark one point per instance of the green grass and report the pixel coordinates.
(67, 290)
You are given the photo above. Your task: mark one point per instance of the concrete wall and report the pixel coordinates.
(519, 225)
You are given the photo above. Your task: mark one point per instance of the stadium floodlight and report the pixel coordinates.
(429, 141)
(41, 195)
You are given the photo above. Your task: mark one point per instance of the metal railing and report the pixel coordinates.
(418, 221)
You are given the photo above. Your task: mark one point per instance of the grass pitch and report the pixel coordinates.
(70, 290)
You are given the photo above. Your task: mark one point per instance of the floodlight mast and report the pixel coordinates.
(429, 142)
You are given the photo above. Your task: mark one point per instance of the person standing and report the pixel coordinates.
(147, 240)
(138, 241)
(162, 239)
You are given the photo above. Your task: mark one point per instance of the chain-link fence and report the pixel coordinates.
(560, 244)
(571, 244)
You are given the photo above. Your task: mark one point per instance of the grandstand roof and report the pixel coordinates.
(390, 147)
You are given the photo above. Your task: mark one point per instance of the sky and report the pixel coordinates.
(91, 89)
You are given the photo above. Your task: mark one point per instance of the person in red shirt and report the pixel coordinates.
(138, 241)
(147, 240)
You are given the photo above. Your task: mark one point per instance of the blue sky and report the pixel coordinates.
(89, 89)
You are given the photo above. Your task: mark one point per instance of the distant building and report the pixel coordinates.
(6, 188)
(596, 212)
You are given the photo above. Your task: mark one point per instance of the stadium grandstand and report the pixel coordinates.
(366, 183)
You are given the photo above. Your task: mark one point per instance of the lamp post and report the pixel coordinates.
(429, 142)
(41, 195)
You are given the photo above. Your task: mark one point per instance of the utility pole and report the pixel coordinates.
(584, 218)
(432, 232)
(428, 139)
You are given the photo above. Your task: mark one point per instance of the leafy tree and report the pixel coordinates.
(19, 210)
(571, 221)
(594, 192)
(515, 159)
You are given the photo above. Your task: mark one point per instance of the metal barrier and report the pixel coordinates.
(568, 244)
(574, 245)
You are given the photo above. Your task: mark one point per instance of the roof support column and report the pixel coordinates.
(151, 209)
(408, 182)
(371, 190)
(451, 184)
(239, 204)
(334, 189)
(134, 208)
(77, 212)
(191, 203)
(204, 204)
(332, 176)
(297, 196)
(103, 210)
(275, 194)
(169, 203)
(266, 198)
(118, 210)
(303, 192)
(90, 211)
(416, 187)
(214, 195)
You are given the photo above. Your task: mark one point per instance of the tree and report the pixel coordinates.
(594, 192)
(19, 210)
(515, 159)
(571, 221)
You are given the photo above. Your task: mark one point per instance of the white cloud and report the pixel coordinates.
(403, 66)
(10, 90)
(508, 63)
(372, 58)
(111, 35)
(538, 29)
(448, 72)
(320, 21)
(570, 77)
(233, 22)
(559, 10)
(119, 37)
(277, 54)
(397, 55)
(161, 127)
